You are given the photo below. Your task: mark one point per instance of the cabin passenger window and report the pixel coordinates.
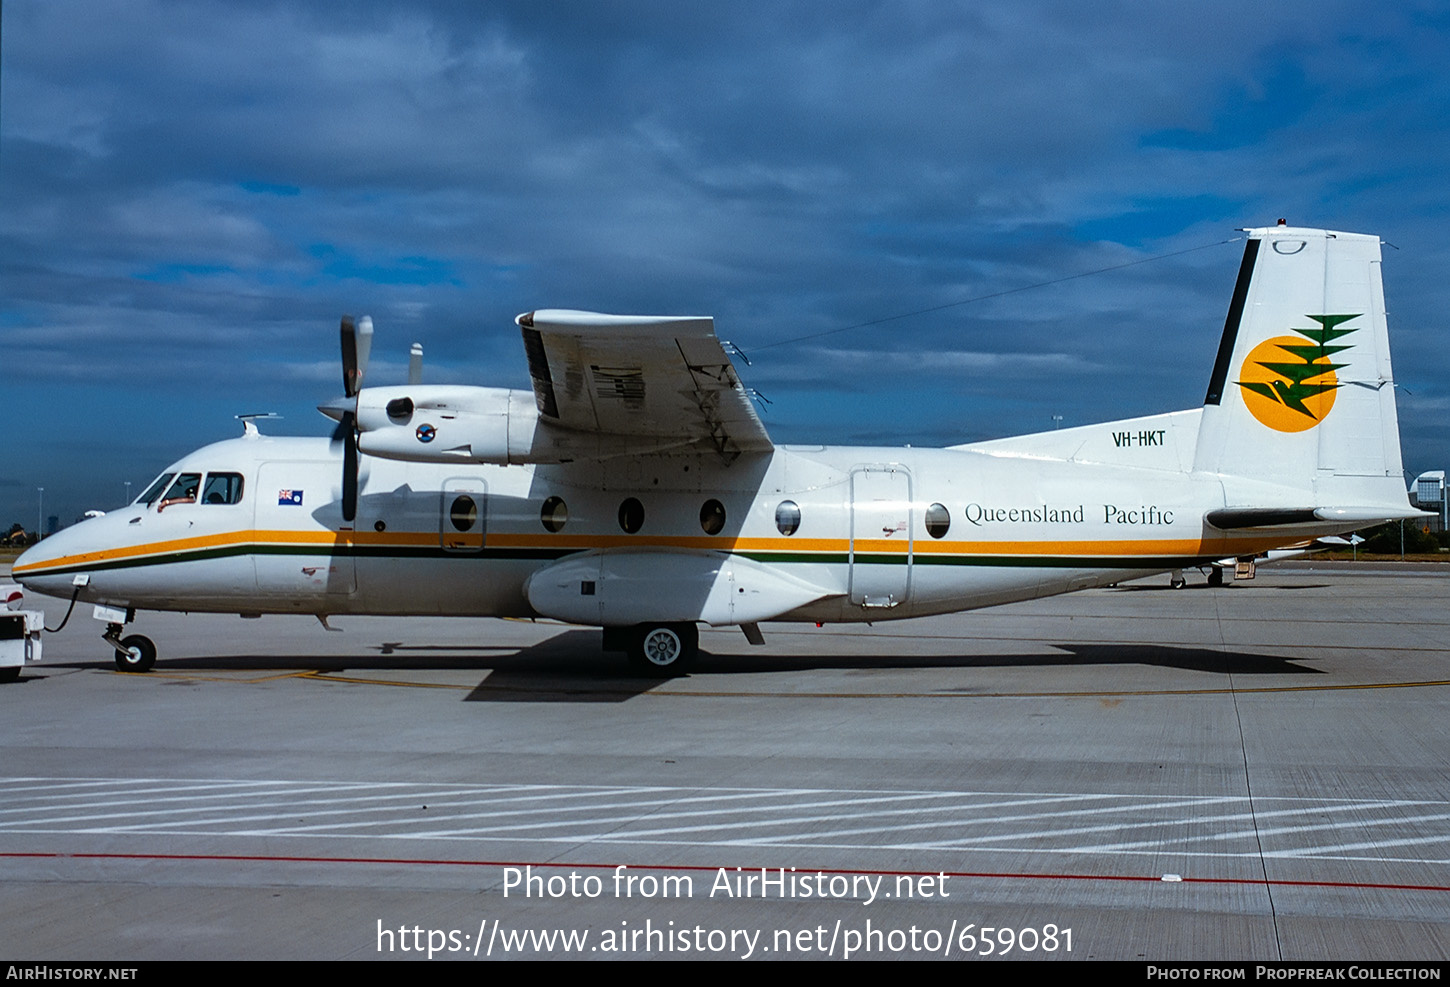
(222, 488)
(787, 517)
(938, 520)
(183, 491)
(154, 491)
(631, 515)
(712, 517)
(463, 513)
(554, 514)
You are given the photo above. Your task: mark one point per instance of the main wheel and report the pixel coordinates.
(1215, 576)
(10, 673)
(664, 649)
(136, 654)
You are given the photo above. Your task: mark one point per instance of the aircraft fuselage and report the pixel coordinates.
(886, 532)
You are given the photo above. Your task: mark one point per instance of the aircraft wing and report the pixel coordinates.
(654, 378)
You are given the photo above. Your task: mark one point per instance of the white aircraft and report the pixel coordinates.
(634, 488)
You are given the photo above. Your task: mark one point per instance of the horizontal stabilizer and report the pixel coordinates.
(1232, 518)
(1260, 517)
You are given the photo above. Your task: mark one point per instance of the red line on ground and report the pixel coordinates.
(259, 858)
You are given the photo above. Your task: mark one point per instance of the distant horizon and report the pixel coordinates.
(185, 220)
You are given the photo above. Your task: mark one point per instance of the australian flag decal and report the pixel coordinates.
(291, 497)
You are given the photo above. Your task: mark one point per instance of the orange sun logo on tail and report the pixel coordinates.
(1289, 382)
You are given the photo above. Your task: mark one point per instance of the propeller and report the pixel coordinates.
(357, 344)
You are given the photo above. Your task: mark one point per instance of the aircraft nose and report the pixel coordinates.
(41, 567)
(28, 560)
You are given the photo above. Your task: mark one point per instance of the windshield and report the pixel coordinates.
(154, 491)
(183, 491)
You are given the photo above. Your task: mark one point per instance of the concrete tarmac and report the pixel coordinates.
(1253, 772)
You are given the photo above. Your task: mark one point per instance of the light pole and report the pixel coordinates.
(128, 493)
(1056, 421)
(40, 514)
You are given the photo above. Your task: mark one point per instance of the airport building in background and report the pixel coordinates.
(1428, 494)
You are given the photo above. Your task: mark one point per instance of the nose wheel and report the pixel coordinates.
(134, 653)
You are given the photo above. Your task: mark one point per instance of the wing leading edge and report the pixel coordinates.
(657, 378)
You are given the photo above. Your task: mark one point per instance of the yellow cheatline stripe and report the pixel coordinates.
(244, 537)
(876, 546)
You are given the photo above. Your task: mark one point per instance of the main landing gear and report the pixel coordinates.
(657, 650)
(134, 653)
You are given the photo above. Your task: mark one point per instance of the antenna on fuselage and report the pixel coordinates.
(249, 421)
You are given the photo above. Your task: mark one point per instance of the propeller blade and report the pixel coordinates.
(364, 347)
(357, 344)
(349, 468)
(339, 434)
(348, 332)
(415, 364)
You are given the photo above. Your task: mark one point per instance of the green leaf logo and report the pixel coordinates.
(1288, 383)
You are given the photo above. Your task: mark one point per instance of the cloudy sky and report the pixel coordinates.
(193, 192)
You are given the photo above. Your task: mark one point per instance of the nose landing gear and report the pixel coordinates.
(134, 653)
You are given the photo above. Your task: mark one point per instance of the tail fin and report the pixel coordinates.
(1302, 394)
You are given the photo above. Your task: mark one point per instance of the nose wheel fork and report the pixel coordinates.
(134, 653)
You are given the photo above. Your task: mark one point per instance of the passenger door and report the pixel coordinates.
(881, 536)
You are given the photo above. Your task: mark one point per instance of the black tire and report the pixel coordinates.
(1215, 576)
(10, 673)
(136, 654)
(664, 650)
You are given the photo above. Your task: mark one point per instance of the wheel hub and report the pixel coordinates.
(662, 646)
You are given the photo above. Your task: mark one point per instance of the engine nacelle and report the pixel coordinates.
(447, 424)
(441, 424)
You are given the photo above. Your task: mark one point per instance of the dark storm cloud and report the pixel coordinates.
(195, 191)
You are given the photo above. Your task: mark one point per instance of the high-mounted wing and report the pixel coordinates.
(648, 377)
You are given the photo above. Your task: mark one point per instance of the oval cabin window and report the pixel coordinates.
(787, 517)
(554, 514)
(938, 520)
(631, 515)
(463, 513)
(712, 517)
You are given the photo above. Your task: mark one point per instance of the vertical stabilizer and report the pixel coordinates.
(1302, 394)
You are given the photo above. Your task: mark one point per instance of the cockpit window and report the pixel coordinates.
(183, 491)
(154, 491)
(222, 488)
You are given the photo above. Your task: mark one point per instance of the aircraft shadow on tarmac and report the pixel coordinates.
(1142, 587)
(570, 667)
